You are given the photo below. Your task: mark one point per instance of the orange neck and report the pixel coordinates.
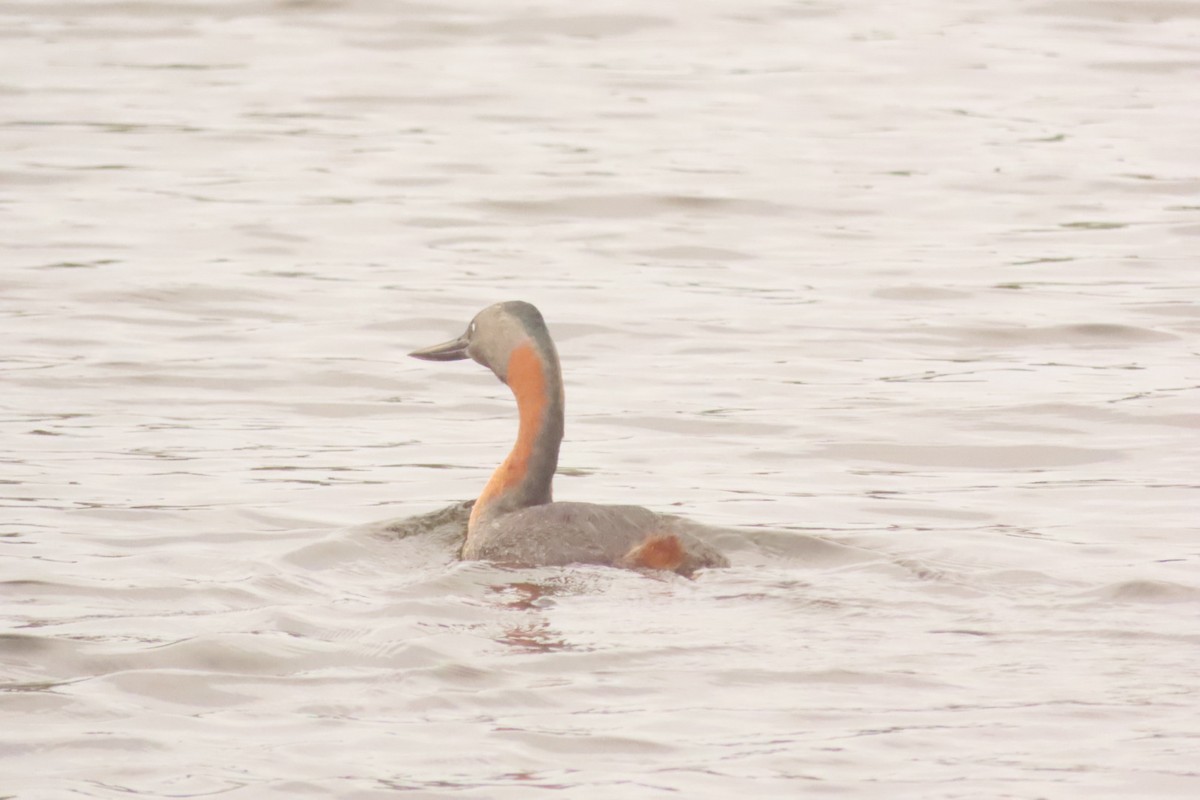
(524, 478)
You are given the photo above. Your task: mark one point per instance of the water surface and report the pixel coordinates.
(906, 294)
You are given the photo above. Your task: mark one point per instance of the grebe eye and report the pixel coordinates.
(471, 331)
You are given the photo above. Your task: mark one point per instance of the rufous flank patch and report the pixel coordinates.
(658, 551)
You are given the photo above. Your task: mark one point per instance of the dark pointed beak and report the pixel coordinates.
(452, 350)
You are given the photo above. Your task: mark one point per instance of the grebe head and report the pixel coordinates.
(492, 337)
(511, 340)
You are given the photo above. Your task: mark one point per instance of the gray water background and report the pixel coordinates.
(908, 293)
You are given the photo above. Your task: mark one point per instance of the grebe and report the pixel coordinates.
(514, 521)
